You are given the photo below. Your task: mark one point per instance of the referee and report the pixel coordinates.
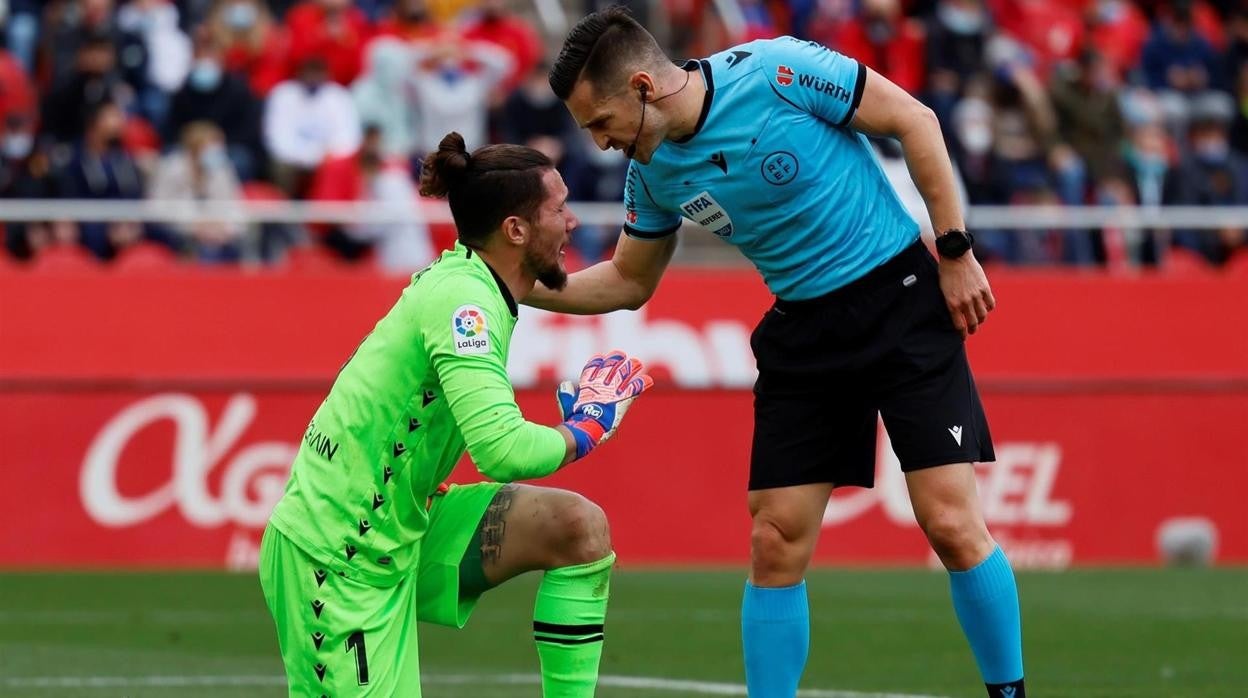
(763, 145)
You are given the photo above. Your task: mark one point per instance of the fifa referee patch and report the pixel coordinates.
(468, 330)
(704, 210)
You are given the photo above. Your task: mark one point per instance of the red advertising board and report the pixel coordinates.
(150, 421)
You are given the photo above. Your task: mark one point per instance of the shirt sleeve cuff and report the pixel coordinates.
(647, 234)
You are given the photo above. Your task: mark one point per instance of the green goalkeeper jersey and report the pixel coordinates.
(429, 381)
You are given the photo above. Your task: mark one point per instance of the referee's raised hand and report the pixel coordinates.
(967, 293)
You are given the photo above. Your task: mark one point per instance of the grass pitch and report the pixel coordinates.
(1123, 632)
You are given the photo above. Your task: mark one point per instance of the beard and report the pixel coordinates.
(547, 271)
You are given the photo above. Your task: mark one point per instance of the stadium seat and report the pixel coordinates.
(65, 258)
(7, 263)
(1181, 261)
(146, 257)
(262, 191)
(317, 259)
(1237, 265)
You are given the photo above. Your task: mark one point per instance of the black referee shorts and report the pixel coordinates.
(885, 344)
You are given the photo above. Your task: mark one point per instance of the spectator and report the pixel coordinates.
(496, 24)
(598, 176)
(384, 98)
(1052, 31)
(883, 38)
(22, 31)
(26, 173)
(305, 121)
(168, 51)
(94, 81)
(1024, 125)
(1237, 46)
(1085, 96)
(334, 31)
(409, 20)
(1212, 175)
(1151, 181)
(453, 81)
(100, 169)
(200, 170)
(254, 46)
(1118, 30)
(1176, 58)
(1029, 163)
(1239, 127)
(956, 39)
(368, 176)
(68, 25)
(534, 116)
(17, 98)
(211, 94)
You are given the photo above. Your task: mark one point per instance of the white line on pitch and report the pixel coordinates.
(706, 688)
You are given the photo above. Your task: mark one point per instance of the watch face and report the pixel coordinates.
(953, 244)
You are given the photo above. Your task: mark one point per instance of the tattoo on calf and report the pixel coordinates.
(493, 526)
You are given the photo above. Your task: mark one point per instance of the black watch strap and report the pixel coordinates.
(954, 243)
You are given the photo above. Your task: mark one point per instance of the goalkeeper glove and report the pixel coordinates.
(594, 407)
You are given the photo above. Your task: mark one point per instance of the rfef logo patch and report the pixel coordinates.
(784, 75)
(779, 168)
(468, 330)
(704, 210)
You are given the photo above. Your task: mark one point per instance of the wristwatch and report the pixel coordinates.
(954, 243)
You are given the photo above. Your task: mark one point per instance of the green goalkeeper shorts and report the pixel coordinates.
(340, 637)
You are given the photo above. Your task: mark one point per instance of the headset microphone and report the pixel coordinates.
(632, 149)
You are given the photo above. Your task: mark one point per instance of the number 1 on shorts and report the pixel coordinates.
(356, 641)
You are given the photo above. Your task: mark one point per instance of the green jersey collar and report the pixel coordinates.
(502, 287)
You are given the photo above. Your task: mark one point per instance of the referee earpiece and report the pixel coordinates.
(643, 89)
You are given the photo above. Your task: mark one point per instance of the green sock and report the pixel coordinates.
(567, 625)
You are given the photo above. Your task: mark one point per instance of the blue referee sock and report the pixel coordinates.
(775, 632)
(985, 599)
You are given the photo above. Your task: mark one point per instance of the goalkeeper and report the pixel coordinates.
(365, 541)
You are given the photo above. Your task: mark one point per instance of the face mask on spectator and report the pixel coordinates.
(450, 72)
(976, 138)
(241, 16)
(539, 93)
(1109, 11)
(213, 157)
(879, 30)
(17, 145)
(1109, 198)
(1149, 165)
(959, 20)
(1211, 151)
(205, 75)
(972, 119)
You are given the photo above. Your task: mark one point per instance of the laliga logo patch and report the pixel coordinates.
(631, 217)
(784, 75)
(468, 330)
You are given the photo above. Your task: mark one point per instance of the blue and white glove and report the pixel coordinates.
(593, 408)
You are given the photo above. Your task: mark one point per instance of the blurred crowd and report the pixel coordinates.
(1065, 102)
